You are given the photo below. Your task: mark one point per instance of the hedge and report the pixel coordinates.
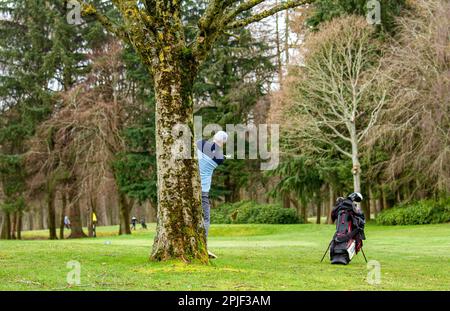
(417, 213)
(249, 212)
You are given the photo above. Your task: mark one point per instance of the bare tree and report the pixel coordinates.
(415, 127)
(75, 148)
(333, 105)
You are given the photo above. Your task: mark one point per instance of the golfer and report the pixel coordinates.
(210, 155)
(133, 222)
(94, 224)
(66, 222)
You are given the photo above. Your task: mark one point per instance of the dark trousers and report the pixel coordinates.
(206, 206)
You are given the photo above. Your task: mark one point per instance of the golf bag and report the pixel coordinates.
(347, 241)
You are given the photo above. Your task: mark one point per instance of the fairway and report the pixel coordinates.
(251, 257)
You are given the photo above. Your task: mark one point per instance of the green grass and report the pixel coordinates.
(251, 257)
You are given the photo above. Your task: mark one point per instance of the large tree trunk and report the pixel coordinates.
(180, 231)
(51, 220)
(76, 228)
(124, 227)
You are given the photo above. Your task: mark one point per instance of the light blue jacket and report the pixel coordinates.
(206, 166)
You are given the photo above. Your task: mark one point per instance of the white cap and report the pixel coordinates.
(220, 137)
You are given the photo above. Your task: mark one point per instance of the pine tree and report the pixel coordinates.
(24, 87)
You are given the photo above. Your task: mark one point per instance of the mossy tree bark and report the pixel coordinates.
(179, 217)
(156, 31)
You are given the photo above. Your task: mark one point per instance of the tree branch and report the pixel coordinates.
(209, 28)
(140, 27)
(245, 6)
(214, 11)
(264, 14)
(119, 31)
(373, 118)
(217, 19)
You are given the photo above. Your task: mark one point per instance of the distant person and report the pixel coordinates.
(133, 223)
(66, 222)
(94, 224)
(210, 155)
(143, 224)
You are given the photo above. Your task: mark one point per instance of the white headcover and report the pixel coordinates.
(360, 196)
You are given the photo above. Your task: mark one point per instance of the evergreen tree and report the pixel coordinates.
(25, 96)
(326, 10)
